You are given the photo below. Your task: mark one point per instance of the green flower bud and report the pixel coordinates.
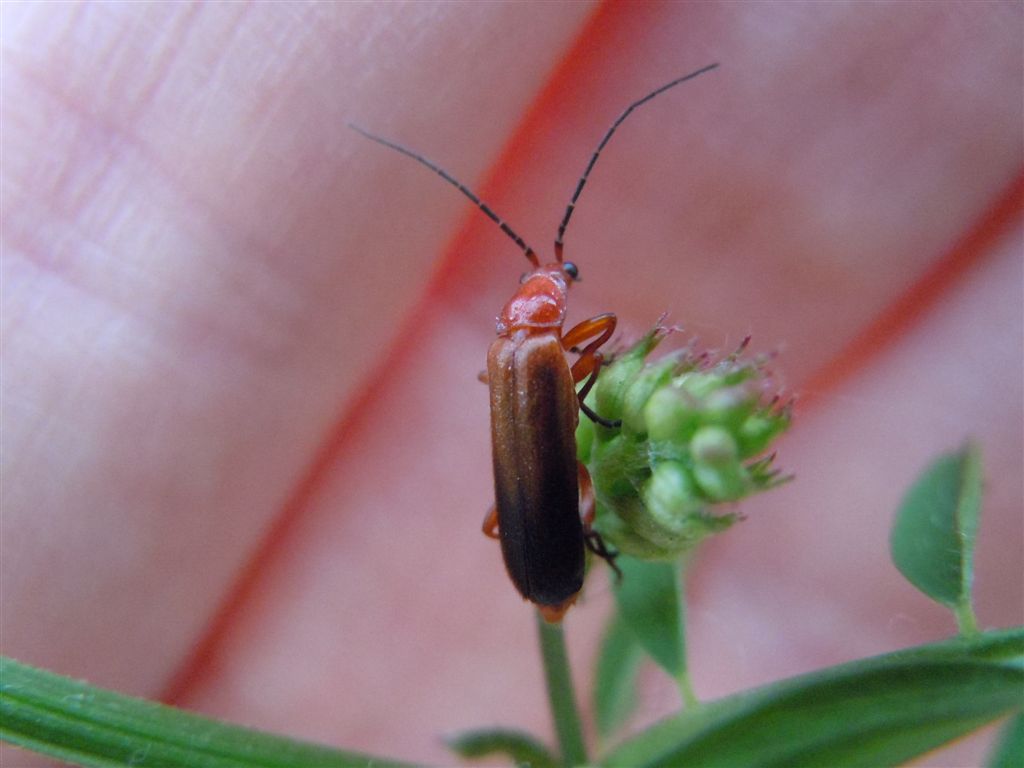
(699, 384)
(615, 377)
(670, 496)
(758, 430)
(714, 447)
(724, 483)
(639, 391)
(691, 434)
(728, 406)
(624, 537)
(611, 386)
(584, 439)
(670, 414)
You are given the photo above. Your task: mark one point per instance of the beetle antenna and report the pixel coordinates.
(527, 250)
(597, 153)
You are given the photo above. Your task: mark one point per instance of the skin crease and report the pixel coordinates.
(245, 454)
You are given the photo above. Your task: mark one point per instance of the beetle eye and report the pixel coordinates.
(571, 270)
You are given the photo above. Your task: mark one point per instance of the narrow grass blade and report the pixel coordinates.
(81, 724)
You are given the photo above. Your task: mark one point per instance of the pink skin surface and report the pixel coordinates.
(245, 452)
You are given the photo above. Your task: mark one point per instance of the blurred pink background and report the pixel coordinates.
(245, 452)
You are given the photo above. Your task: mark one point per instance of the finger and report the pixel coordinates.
(406, 504)
(190, 292)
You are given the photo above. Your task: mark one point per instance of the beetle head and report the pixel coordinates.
(540, 301)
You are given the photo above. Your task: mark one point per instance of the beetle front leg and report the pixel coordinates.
(602, 326)
(590, 360)
(595, 543)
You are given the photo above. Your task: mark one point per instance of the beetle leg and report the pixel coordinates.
(585, 389)
(582, 396)
(586, 486)
(591, 537)
(595, 543)
(590, 360)
(602, 326)
(596, 360)
(490, 526)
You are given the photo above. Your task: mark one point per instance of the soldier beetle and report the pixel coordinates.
(544, 497)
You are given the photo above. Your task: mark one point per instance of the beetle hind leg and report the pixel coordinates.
(595, 543)
(591, 538)
(490, 526)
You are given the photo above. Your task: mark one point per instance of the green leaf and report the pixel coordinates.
(650, 604)
(78, 723)
(1009, 750)
(874, 712)
(932, 540)
(618, 664)
(521, 747)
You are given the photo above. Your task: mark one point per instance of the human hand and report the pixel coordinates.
(245, 453)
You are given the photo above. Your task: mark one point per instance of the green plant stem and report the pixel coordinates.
(683, 678)
(561, 696)
(966, 621)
